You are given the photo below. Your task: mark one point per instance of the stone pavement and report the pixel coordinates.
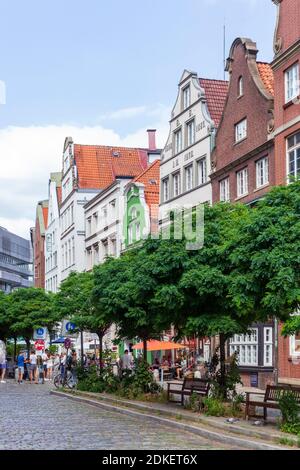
(31, 418)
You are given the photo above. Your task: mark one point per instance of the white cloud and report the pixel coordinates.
(29, 154)
(123, 113)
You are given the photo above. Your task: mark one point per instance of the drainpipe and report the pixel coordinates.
(276, 351)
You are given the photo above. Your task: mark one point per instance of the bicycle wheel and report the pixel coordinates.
(57, 380)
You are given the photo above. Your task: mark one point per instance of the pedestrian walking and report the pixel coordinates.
(21, 367)
(32, 370)
(2, 361)
(45, 357)
(40, 369)
(49, 366)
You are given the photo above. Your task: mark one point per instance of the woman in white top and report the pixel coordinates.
(32, 369)
(49, 366)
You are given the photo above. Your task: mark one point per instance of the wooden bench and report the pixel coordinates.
(271, 399)
(188, 387)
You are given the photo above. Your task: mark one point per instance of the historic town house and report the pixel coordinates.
(186, 158)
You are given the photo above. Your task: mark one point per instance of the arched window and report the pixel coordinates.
(133, 213)
(240, 87)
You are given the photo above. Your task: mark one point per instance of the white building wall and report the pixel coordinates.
(175, 162)
(52, 243)
(104, 224)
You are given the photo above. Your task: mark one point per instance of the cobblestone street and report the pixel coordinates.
(31, 418)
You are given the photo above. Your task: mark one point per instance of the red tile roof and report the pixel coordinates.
(45, 215)
(216, 94)
(59, 194)
(267, 76)
(98, 166)
(150, 179)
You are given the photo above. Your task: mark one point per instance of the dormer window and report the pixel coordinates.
(240, 87)
(186, 97)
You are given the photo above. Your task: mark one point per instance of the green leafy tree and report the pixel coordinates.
(29, 309)
(74, 301)
(124, 288)
(4, 317)
(267, 261)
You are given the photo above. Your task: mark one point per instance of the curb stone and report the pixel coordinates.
(254, 432)
(203, 432)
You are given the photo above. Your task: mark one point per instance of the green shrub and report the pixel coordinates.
(214, 407)
(289, 408)
(291, 428)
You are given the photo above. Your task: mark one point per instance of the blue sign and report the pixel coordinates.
(40, 333)
(70, 326)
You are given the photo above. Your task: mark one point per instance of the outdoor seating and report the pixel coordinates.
(188, 387)
(271, 399)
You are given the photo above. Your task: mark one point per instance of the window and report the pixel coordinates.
(165, 189)
(95, 222)
(130, 237)
(224, 190)
(292, 83)
(241, 130)
(247, 348)
(176, 184)
(268, 346)
(113, 246)
(242, 182)
(73, 250)
(240, 87)
(262, 172)
(190, 132)
(295, 345)
(133, 213)
(293, 144)
(112, 206)
(105, 248)
(89, 226)
(189, 177)
(178, 141)
(137, 232)
(186, 97)
(202, 171)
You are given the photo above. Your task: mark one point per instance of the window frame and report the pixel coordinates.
(265, 175)
(243, 343)
(244, 171)
(295, 148)
(226, 189)
(190, 125)
(176, 177)
(244, 134)
(189, 176)
(295, 86)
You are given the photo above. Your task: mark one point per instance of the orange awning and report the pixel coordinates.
(154, 345)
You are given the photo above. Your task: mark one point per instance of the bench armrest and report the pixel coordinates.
(254, 393)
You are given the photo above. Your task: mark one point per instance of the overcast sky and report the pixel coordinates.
(103, 72)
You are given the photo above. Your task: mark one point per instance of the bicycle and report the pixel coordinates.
(64, 380)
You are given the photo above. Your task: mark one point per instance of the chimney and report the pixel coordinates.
(151, 139)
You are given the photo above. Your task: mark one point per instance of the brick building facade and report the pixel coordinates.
(39, 244)
(243, 170)
(242, 140)
(286, 70)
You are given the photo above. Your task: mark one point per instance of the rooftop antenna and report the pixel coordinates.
(224, 48)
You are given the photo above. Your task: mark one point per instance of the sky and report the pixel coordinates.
(102, 72)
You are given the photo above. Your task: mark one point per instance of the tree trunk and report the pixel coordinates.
(100, 336)
(222, 365)
(15, 349)
(27, 341)
(145, 349)
(101, 352)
